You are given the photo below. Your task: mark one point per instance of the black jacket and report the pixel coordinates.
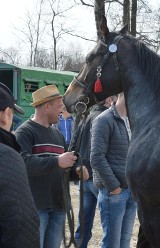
(85, 142)
(19, 223)
(109, 147)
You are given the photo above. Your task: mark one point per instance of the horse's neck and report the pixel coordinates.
(141, 84)
(142, 106)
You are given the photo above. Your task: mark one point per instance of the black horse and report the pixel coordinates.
(120, 62)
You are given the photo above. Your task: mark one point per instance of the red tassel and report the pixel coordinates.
(98, 86)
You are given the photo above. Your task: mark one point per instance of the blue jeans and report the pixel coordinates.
(90, 194)
(51, 227)
(117, 218)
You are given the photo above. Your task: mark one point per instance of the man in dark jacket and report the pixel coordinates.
(90, 192)
(19, 223)
(109, 146)
(44, 152)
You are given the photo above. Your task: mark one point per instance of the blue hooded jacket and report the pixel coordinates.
(66, 126)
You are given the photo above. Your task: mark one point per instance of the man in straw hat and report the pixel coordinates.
(19, 223)
(44, 152)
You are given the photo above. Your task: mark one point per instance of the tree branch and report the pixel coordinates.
(86, 4)
(76, 35)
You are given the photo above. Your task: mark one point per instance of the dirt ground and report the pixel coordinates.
(95, 242)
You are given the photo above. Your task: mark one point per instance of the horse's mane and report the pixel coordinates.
(149, 62)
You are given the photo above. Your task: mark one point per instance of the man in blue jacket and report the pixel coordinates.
(66, 125)
(109, 146)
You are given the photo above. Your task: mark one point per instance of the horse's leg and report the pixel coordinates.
(142, 241)
(150, 220)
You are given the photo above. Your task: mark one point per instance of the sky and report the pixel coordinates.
(12, 11)
(10, 18)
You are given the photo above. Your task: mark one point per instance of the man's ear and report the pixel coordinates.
(3, 118)
(7, 115)
(47, 105)
(8, 112)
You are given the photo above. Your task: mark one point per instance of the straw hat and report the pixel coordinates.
(45, 94)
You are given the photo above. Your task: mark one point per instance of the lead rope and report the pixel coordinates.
(66, 192)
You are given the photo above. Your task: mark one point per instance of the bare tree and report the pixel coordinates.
(32, 31)
(134, 17)
(72, 58)
(43, 58)
(135, 13)
(57, 22)
(10, 55)
(130, 15)
(126, 13)
(99, 9)
(52, 17)
(38, 31)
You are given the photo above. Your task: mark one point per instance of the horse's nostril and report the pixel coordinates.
(80, 107)
(83, 98)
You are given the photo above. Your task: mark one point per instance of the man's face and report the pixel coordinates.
(54, 110)
(6, 118)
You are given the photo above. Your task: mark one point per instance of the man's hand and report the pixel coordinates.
(116, 191)
(84, 172)
(66, 159)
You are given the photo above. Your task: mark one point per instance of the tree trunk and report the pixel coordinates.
(134, 17)
(99, 9)
(126, 13)
(54, 42)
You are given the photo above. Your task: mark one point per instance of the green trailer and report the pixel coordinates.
(23, 81)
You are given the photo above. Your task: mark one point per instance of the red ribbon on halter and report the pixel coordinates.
(98, 86)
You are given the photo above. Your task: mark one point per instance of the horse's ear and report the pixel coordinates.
(124, 30)
(104, 28)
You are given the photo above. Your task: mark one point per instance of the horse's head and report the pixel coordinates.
(99, 77)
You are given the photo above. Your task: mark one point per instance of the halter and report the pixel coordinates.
(111, 48)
